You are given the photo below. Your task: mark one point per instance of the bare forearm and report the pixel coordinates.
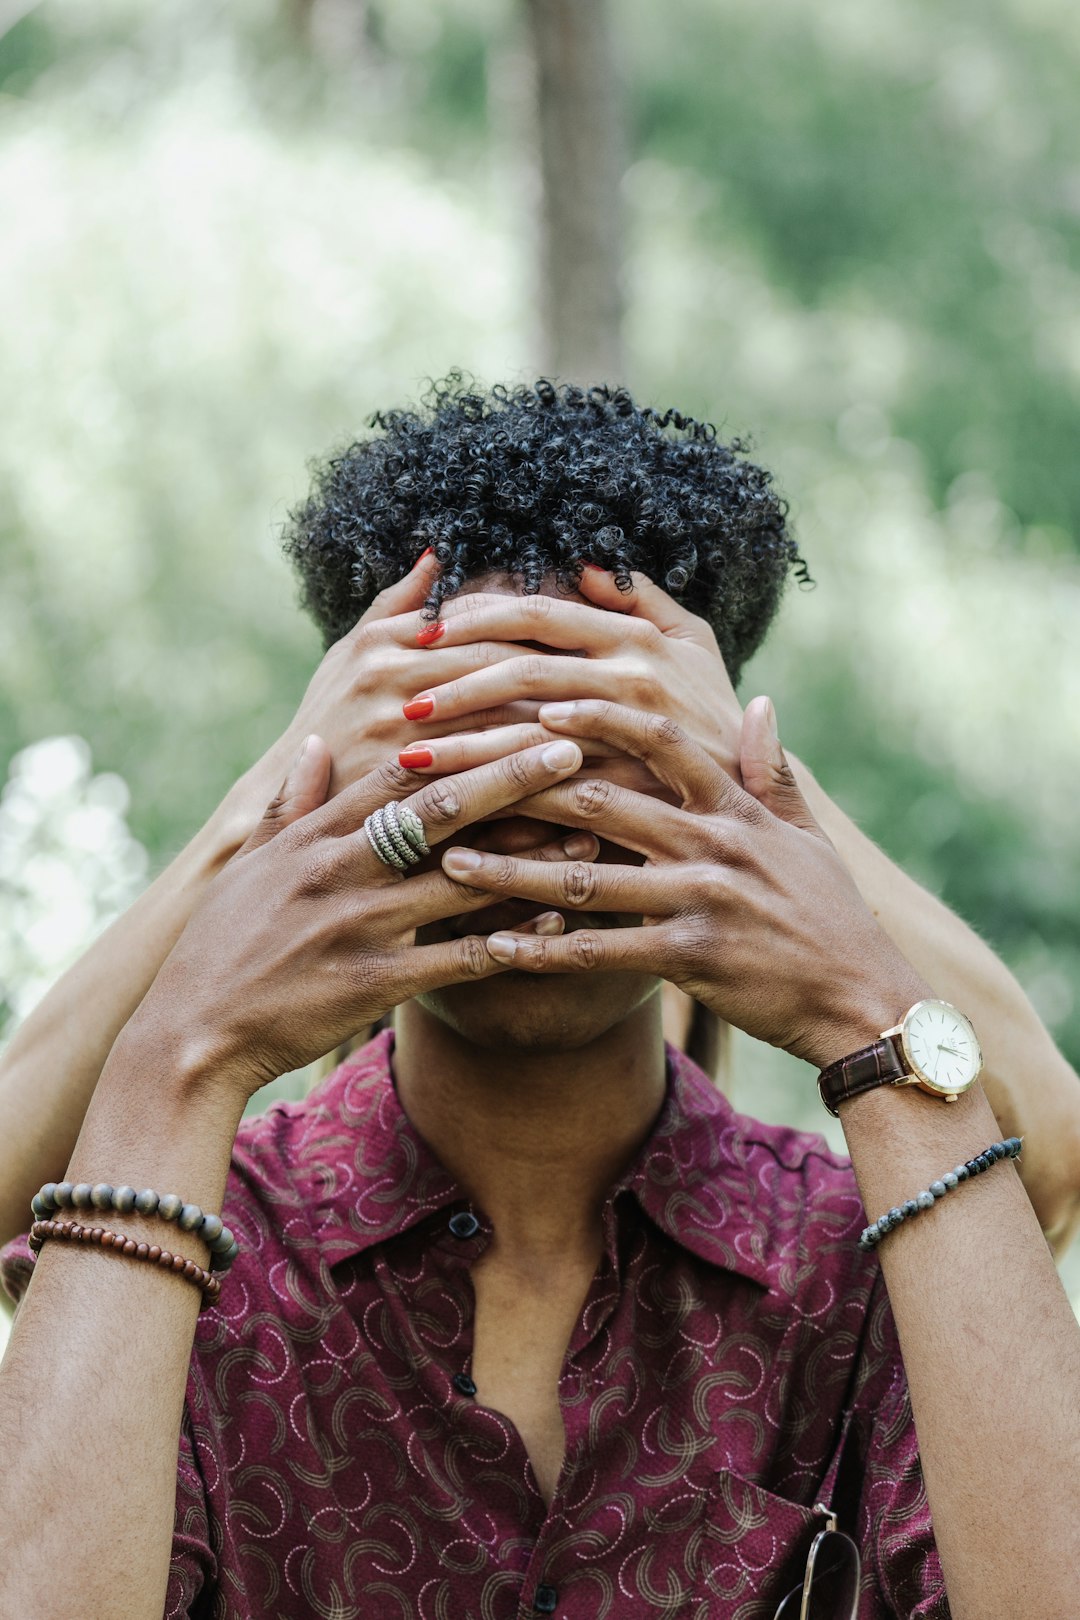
(49, 1070)
(992, 1355)
(98, 1359)
(1033, 1091)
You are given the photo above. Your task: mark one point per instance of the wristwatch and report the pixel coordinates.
(933, 1047)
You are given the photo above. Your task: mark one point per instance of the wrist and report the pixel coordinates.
(864, 1011)
(185, 1061)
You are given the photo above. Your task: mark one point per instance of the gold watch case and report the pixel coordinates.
(940, 1049)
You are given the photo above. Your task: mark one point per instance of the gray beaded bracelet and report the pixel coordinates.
(872, 1235)
(168, 1207)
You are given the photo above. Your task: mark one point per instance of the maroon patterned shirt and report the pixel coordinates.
(335, 1465)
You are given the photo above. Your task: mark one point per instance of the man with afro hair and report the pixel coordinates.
(521, 1317)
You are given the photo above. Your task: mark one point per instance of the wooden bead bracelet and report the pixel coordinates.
(101, 1237)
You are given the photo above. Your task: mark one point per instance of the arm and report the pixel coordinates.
(298, 940)
(1032, 1089)
(991, 1351)
(50, 1068)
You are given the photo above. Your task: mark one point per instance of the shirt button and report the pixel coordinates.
(464, 1224)
(545, 1600)
(463, 1384)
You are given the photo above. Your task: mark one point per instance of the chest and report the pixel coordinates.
(604, 1454)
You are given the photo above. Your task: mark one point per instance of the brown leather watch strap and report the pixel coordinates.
(879, 1065)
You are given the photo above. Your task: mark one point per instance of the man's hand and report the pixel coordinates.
(305, 936)
(748, 909)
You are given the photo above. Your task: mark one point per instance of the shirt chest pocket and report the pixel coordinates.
(753, 1550)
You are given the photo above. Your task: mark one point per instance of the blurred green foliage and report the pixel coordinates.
(851, 230)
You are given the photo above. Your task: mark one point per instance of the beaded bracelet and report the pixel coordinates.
(75, 1232)
(872, 1235)
(168, 1207)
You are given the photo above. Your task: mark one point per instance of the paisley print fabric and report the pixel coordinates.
(331, 1469)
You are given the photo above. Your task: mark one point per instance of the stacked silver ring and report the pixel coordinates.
(396, 834)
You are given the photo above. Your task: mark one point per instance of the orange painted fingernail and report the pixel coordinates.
(422, 555)
(419, 708)
(430, 633)
(415, 759)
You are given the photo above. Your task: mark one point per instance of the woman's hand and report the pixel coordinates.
(748, 909)
(641, 649)
(306, 936)
(355, 697)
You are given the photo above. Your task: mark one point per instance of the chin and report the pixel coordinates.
(518, 1012)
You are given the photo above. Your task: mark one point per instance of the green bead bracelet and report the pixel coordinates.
(125, 1200)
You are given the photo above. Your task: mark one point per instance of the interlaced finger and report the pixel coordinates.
(659, 743)
(548, 620)
(433, 896)
(637, 821)
(537, 676)
(460, 750)
(585, 950)
(441, 808)
(430, 967)
(576, 884)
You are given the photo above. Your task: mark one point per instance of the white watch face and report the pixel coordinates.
(941, 1046)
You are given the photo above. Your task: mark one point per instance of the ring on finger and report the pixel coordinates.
(396, 836)
(412, 829)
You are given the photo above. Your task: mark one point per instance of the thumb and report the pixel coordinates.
(766, 774)
(303, 790)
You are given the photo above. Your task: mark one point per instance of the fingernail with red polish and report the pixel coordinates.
(415, 759)
(422, 555)
(419, 708)
(430, 633)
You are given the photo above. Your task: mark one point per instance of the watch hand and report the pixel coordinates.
(950, 1049)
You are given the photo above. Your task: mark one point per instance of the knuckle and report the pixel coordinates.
(690, 945)
(579, 883)
(485, 719)
(276, 810)
(532, 671)
(586, 948)
(379, 661)
(536, 608)
(504, 873)
(390, 779)
(361, 639)
(470, 958)
(515, 769)
(664, 732)
(591, 797)
(486, 654)
(642, 689)
(438, 804)
(710, 883)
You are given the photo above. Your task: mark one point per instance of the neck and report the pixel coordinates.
(536, 1138)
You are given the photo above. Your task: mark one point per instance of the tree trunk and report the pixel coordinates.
(580, 139)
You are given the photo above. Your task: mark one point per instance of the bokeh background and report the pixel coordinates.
(230, 232)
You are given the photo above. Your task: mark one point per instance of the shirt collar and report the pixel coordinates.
(366, 1175)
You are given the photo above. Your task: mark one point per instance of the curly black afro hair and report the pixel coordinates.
(536, 482)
